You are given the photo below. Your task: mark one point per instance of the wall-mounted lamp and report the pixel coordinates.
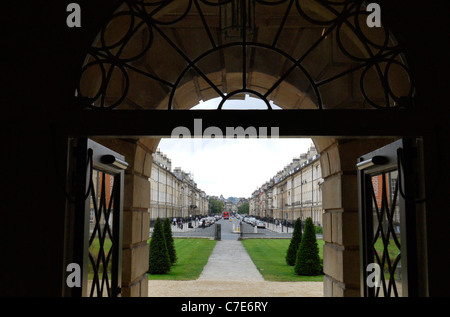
(376, 160)
(114, 161)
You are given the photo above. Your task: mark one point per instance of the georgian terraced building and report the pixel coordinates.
(174, 193)
(294, 192)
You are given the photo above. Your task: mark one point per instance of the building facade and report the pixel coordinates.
(294, 192)
(174, 194)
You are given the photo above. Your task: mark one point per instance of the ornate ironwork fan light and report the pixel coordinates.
(152, 53)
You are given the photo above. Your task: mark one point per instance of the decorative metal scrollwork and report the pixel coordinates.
(377, 60)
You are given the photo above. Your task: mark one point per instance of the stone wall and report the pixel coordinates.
(136, 216)
(340, 218)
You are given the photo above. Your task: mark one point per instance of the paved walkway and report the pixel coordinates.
(229, 261)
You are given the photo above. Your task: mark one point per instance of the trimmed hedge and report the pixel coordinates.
(169, 241)
(308, 260)
(159, 261)
(291, 255)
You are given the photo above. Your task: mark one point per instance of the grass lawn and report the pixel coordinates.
(95, 246)
(193, 254)
(392, 251)
(94, 250)
(392, 248)
(269, 257)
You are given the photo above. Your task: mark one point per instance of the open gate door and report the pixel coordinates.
(97, 220)
(388, 255)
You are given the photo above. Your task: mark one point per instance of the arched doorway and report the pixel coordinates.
(300, 54)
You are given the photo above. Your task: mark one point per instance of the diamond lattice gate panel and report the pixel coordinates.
(387, 225)
(385, 246)
(98, 232)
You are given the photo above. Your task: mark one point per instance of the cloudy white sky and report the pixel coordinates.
(233, 167)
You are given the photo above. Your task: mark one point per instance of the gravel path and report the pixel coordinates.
(209, 288)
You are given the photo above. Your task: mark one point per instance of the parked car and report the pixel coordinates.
(204, 221)
(260, 224)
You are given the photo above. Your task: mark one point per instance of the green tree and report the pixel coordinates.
(159, 261)
(291, 255)
(169, 241)
(216, 206)
(308, 260)
(243, 208)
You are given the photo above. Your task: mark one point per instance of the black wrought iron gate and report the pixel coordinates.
(98, 219)
(387, 222)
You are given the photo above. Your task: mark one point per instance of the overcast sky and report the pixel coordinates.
(233, 167)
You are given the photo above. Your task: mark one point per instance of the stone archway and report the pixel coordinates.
(142, 68)
(340, 203)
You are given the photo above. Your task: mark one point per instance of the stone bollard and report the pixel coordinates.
(218, 232)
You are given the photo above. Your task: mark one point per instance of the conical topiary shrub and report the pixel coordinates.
(308, 260)
(291, 255)
(159, 261)
(169, 241)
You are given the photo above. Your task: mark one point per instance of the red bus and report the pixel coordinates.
(226, 215)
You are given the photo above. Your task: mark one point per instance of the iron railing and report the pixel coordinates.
(191, 227)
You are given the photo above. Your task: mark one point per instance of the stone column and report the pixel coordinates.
(136, 216)
(340, 218)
